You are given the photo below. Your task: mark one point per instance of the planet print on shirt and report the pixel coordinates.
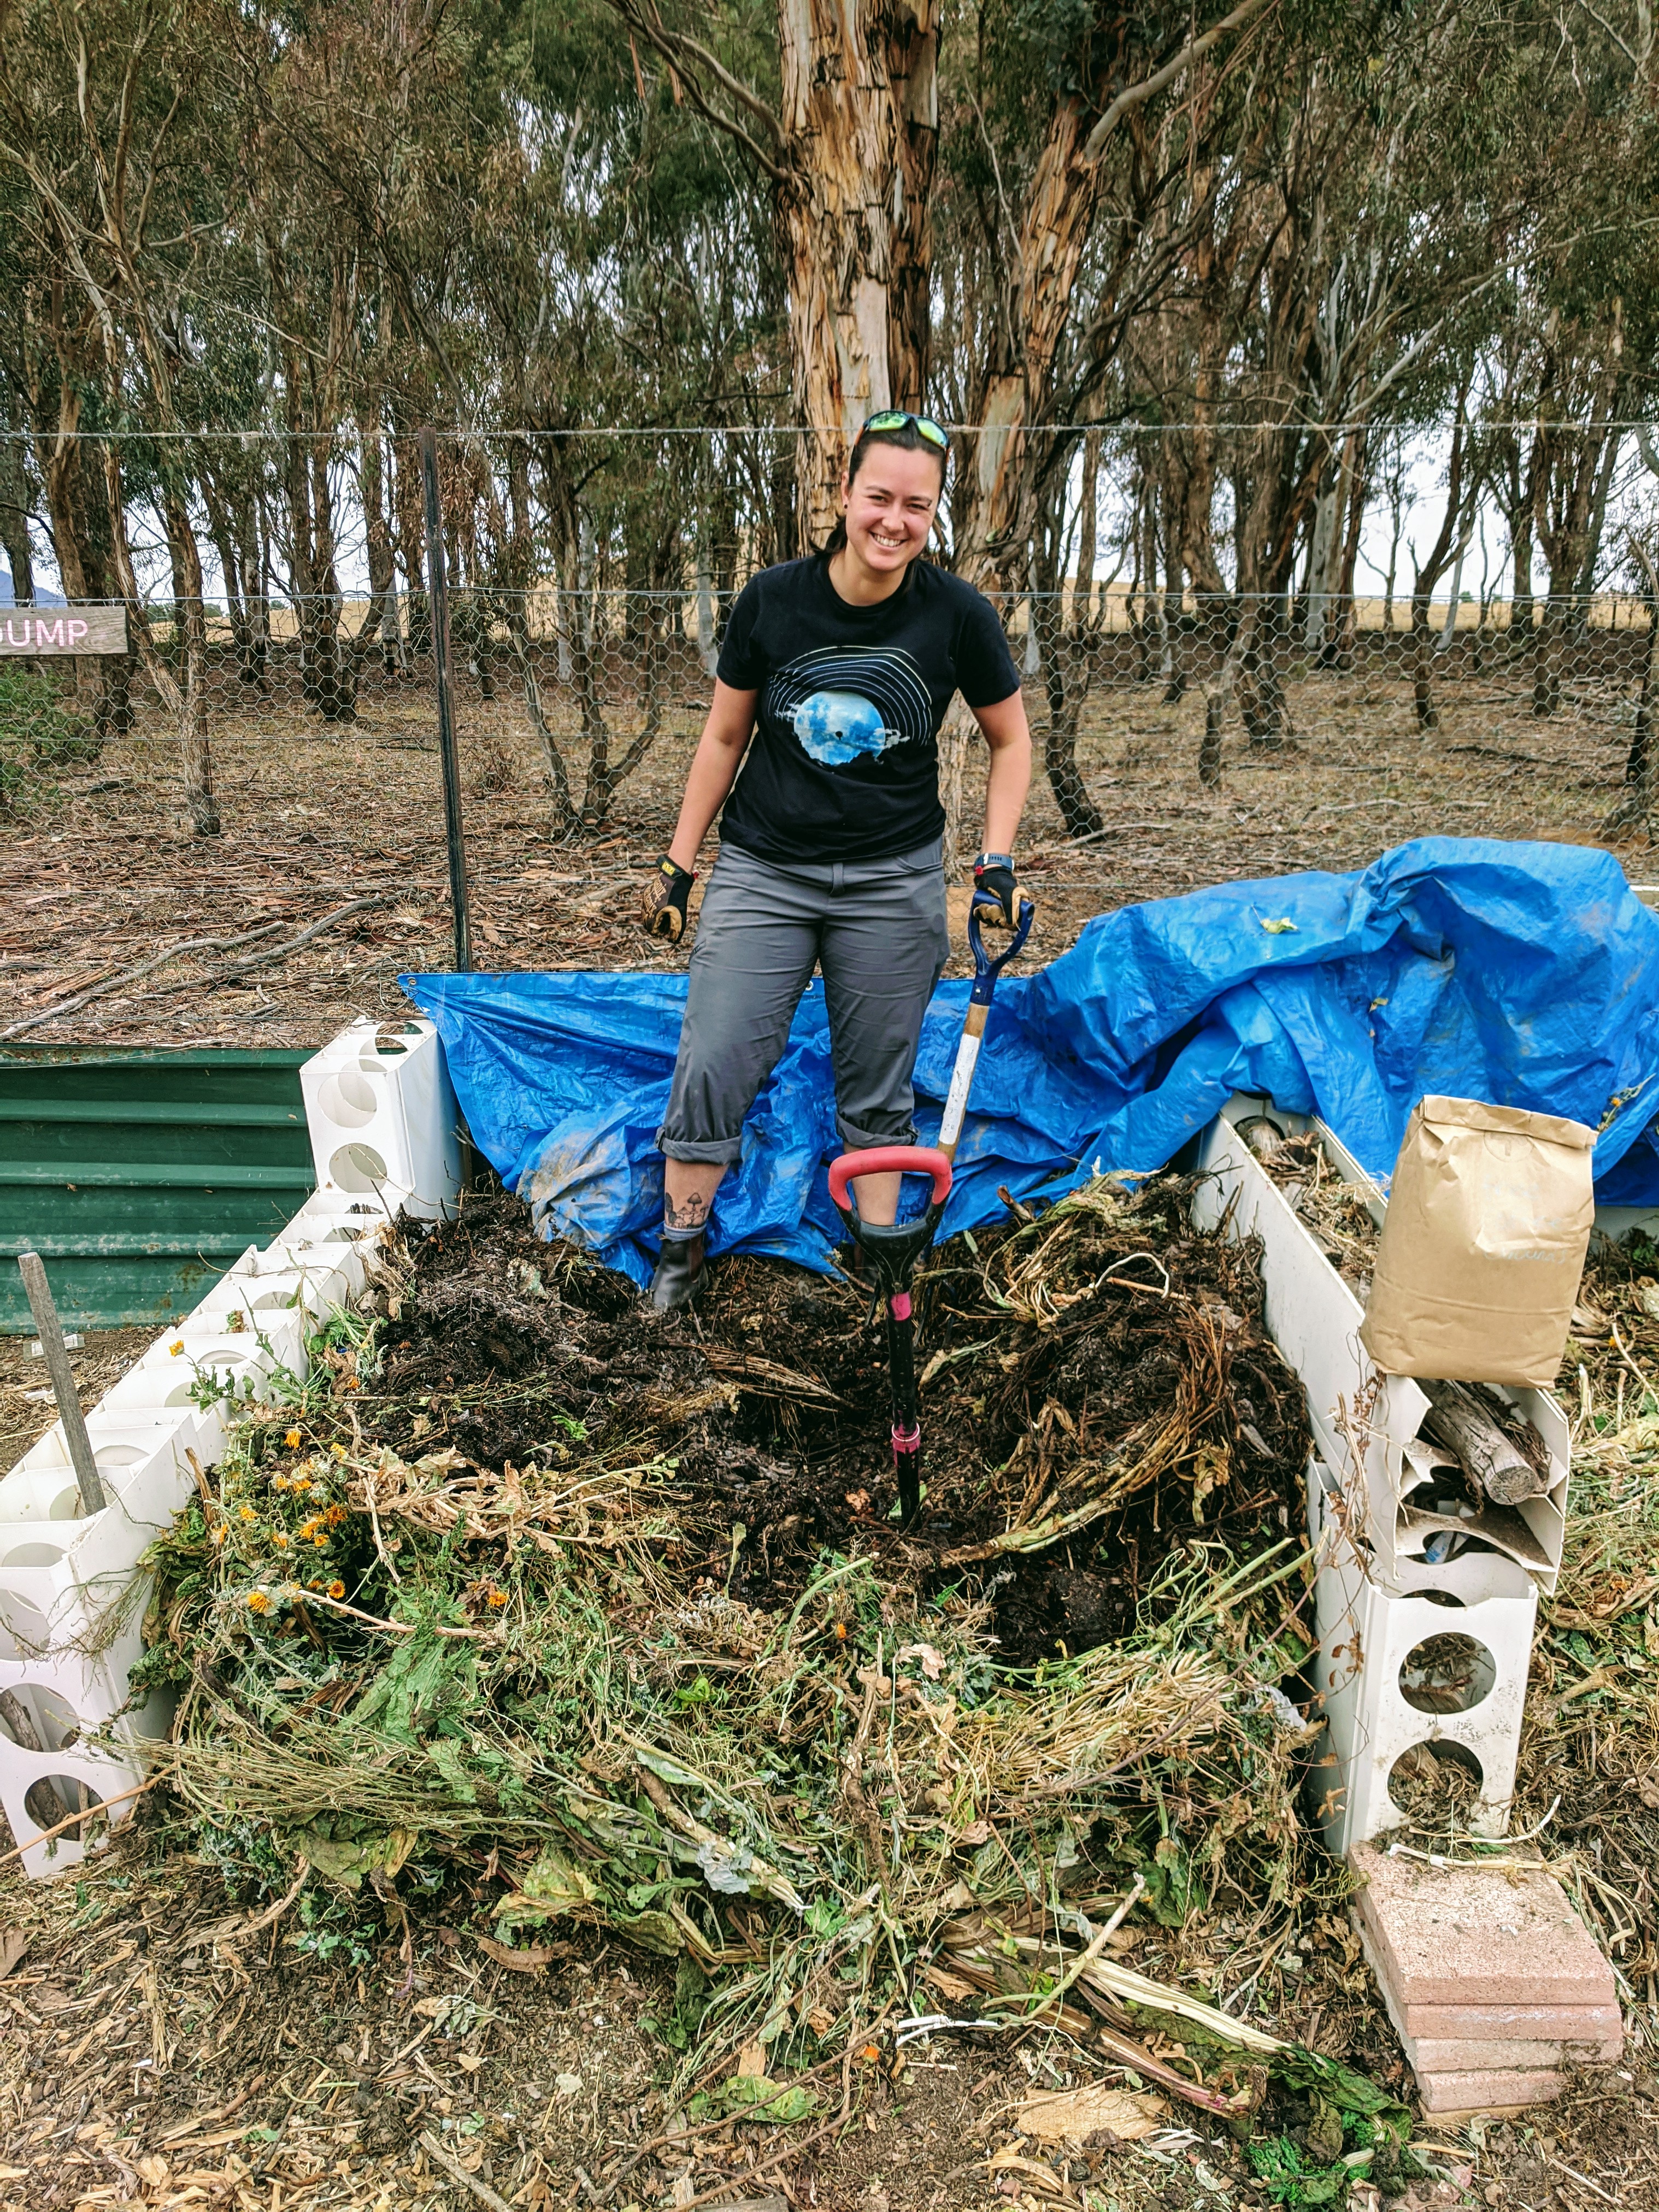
(848, 704)
(836, 726)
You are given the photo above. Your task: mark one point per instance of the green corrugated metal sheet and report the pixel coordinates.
(140, 1175)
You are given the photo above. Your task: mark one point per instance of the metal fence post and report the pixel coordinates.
(438, 595)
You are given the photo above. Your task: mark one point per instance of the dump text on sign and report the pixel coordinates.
(63, 629)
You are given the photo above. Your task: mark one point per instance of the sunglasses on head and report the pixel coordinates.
(895, 418)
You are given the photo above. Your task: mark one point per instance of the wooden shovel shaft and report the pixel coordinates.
(962, 1081)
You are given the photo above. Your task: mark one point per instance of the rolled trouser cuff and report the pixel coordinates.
(704, 1152)
(857, 1139)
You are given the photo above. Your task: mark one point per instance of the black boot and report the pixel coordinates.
(679, 1273)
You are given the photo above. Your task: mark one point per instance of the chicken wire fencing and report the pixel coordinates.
(568, 696)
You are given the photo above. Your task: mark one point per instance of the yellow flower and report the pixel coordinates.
(338, 1450)
(302, 1482)
(320, 1541)
(280, 1540)
(175, 1349)
(246, 1513)
(335, 1515)
(496, 1597)
(353, 1382)
(292, 1440)
(336, 1588)
(219, 1532)
(279, 1482)
(259, 1601)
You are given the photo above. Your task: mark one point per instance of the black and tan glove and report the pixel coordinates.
(662, 900)
(997, 891)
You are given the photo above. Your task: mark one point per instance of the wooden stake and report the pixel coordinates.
(62, 1377)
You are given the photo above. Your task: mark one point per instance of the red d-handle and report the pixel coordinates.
(889, 1160)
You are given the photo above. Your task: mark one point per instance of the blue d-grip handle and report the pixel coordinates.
(985, 970)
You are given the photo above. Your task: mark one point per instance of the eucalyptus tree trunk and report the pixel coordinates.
(14, 524)
(995, 501)
(409, 528)
(1064, 627)
(859, 129)
(994, 507)
(184, 702)
(380, 621)
(1348, 616)
(1635, 803)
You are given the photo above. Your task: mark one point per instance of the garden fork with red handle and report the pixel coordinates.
(893, 1248)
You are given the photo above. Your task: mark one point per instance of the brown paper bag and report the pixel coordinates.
(1483, 1244)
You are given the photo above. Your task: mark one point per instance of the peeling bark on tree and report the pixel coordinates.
(993, 506)
(994, 502)
(860, 125)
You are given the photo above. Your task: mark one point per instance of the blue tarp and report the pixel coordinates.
(1524, 973)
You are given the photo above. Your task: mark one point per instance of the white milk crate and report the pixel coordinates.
(70, 1611)
(179, 1368)
(256, 1299)
(1437, 1668)
(1366, 1425)
(383, 1118)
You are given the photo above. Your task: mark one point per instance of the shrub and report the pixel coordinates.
(38, 731)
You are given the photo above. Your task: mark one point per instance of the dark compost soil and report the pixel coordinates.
(774, 1393)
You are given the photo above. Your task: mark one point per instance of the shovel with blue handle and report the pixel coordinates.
(892, 1248)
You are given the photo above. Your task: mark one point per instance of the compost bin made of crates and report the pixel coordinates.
(139, 1174)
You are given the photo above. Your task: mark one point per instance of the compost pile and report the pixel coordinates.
(615, 1606)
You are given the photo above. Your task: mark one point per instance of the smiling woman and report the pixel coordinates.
(821, 746)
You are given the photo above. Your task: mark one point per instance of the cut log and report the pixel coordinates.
(1494, 1461)
(18, 1723)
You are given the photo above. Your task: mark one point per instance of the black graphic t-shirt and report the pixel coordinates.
(844, 762)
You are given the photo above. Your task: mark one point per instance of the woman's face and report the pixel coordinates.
(890, 505)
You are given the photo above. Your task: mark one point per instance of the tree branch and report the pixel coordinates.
(1135, 95)
(739, 91)
(686, 56)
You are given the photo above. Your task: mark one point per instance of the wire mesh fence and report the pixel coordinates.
(568, 695)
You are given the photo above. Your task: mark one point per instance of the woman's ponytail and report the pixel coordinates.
(836, 539)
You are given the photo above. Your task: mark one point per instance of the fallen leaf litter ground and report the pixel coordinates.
(317, 818)
(333, 2024)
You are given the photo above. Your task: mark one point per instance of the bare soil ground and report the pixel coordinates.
(317, 819)
(27, 1406)
(142, 2063)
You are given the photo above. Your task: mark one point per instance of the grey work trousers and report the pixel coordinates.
(878, 929)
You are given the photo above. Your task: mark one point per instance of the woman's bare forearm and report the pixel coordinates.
(1009, 778)
(713, 771)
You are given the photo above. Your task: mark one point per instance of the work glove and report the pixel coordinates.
(662, 900)
(997, 891)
